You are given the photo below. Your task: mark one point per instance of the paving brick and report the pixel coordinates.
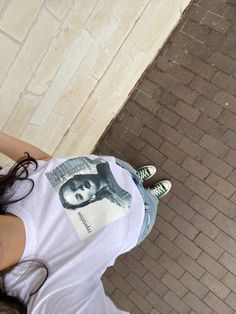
(140, 302)
(122, 300)
(134, 265)
(185, 227)
(213, 145)
(176, 171)
(108, 285)
(151, 249)
(207, 106)
(155, 284)
(211, 126)
(181, 208)
(229, 262)
(174, 70)
(174, 285)
(216, 22)
(166, 229)
(169, 133)
(228, 119)
(225, 82)
(166, 115)
(146, 101)
(231, 157)
(209, 246)
(187, 246)
(121, 268)
(171, 266)
(194, 285)
(197, 31)
(194, 150)
(151, 137)
(217, 165)
(166, 212)
(133, 124)
(230, 281)
(186, 111)
(215, 286)
(176, 303)
(212, 266)
(229, 138)
(158, 303)
(226, 100)
(196, 13)
(138, 284)
(119, 282)
(196, 304)
(225, 224)
(198, 187)
(167, 98)
(216, 6)
(191, 266)
(195, 168)
(223, 62)
(203, 87)
(179, 90)
(153, 266)
(204, 225)
(220, 185)
(202, 207)
(146, 88)
(227, 243)
(154, 155)
(168, 247)
(231, 300)
(217, 305)
(172, 152)
(181, 191)
(189, 130)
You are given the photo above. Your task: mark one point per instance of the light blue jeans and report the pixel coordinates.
(150, 202)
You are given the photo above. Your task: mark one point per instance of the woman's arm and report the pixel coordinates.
(15, 148)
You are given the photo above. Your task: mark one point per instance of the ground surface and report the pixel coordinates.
(182, 118)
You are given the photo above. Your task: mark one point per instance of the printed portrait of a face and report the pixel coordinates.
(79, 190)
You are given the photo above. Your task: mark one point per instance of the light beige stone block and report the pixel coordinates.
(9, 50)
(63, 77)
(19, 17)
(22, 115)
(2, 3)
(127, 66)
(61, 46)
(59, 8)
(31, 53)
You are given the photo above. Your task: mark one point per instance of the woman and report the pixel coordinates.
(74, 246)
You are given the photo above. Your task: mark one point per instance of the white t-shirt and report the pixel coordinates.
(77, 244)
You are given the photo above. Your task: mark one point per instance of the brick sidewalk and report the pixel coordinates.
(182, 118)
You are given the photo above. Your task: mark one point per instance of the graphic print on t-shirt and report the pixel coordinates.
(89, 192)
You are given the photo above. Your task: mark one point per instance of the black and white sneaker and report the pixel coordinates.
(161, 188)
(146, 172)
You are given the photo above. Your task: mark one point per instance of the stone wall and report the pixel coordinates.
(67, 67)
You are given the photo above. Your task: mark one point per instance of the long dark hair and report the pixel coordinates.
(18, 172)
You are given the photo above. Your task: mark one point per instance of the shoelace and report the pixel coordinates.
(143, 174)
(160, 189)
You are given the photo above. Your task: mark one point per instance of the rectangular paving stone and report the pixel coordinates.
(215, 286)
(217, 305)
(206, 226)
(203, 207)
(212, 266)
(194, 285)
(213, 145)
